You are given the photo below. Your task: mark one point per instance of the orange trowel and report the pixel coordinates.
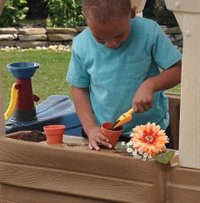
(124, 118)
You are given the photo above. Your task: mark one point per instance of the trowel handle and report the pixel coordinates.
(124, 118)
(130, 111)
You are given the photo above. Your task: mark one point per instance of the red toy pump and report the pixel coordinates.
(22, 97)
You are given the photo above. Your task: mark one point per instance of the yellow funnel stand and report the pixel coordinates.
(13, 101)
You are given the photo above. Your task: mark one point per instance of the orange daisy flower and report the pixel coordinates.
(149, 139)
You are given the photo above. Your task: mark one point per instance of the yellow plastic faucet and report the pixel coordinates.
(13, 101)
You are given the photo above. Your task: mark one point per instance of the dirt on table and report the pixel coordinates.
(33, 136)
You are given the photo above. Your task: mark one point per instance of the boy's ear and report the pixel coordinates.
(82, 12)
(133, 11)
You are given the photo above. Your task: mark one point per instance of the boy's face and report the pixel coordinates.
(112, 35)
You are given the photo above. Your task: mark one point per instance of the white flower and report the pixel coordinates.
(131, 143)
(140, 150)
(128, 144)
(129, 150)
(134, 153)
(149, 157)
(123, 143)
(144, 159)
(145, 155)
(135, 145)
(139, 157)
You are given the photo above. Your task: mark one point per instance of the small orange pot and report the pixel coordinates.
(54, 133)
(112, 135)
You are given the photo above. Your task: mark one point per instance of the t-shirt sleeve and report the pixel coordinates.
(77, 74)
(164, 52)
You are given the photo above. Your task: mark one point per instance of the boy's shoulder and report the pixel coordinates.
(83, 36)
(144, 22)
(84, 41)
(145, 27)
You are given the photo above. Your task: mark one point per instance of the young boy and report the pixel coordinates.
(115, 65)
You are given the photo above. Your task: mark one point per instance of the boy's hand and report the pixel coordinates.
(143, 99)
(96, 138)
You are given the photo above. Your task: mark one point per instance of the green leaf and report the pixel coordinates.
(120, 148)
(22, 1)
(165, 157)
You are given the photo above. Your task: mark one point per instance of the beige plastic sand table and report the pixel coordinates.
(69, 172)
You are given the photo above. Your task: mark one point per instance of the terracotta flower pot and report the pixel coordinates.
(54, 133)
(112, 135)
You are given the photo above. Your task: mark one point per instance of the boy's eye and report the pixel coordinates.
(99, 40)
(119, 36)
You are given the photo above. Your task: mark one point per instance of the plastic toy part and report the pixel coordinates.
(13, 101)
(112, 135)
(24, 108)
(124, 118)
(23, 70)
(56, 109)
(54, 133)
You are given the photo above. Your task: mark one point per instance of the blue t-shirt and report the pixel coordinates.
(114, 75)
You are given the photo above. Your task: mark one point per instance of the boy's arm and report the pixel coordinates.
(143, 99)
(84, 110)
(167, 79)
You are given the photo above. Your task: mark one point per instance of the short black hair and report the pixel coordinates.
(105, 11)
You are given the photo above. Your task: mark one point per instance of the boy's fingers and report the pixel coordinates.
(99, 139)
(90, 146)
(145, 107)
(102, 137)
(105, 144)
(141, 108)
(135, 107)
(94, 145)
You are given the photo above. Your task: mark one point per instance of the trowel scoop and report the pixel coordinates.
(124, 118)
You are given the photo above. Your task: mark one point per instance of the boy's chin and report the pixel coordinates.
(115, 47)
